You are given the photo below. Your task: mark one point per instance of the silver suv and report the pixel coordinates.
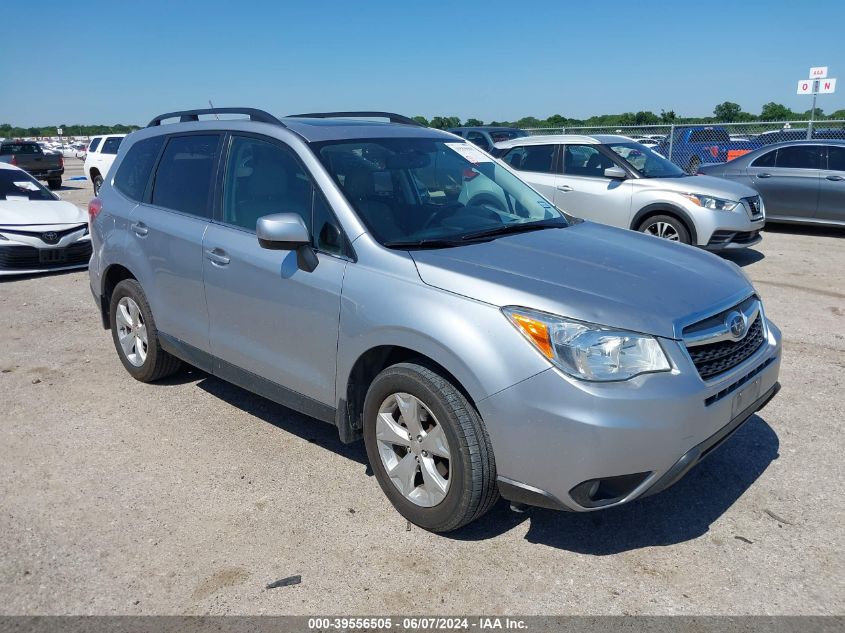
(327, 263)
(616, 180)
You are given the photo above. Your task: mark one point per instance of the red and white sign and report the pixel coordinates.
(827, 86)
(805, 86)
(818, 72)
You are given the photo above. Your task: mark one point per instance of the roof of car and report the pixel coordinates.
(544, 139)
(814, 141)
(316, 130)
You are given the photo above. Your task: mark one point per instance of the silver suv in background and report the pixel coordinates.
(618, 181)
(325, 265)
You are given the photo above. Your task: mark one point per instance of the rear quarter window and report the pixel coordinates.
(111, 145)
(134, 171)
(95, 143)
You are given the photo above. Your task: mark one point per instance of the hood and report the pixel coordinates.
(590, 272)
(37, 212)
(718, 187)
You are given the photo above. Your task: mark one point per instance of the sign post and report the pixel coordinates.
(817, 84)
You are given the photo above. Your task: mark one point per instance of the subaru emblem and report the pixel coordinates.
(736, 323)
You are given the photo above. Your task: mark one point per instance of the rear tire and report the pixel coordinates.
(98, 182)
(135, 335)
(54, 183)
(469, 471)
(666, 227)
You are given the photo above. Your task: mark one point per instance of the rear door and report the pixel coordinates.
(536, 166)
(270, 318)
(585, 192)
(832, 186)
(166, 233)
(788, 178)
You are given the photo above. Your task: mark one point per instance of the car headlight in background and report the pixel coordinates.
(587, 351)
(710, 202)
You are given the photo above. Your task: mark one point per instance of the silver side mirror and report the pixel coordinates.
(615, 172)
(287, 232)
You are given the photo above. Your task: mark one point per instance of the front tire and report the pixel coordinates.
(428, 448)
(666, 227)
(694, 164)
(54, 183)
(135, 335)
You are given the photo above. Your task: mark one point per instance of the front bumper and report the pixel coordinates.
(552, 435)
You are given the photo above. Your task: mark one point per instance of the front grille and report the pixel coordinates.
(28, 257)
(753, 205)
(712, 359)
(40, 234)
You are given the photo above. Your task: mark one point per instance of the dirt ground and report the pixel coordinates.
(191, 495)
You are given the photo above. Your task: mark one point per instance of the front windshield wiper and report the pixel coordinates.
(424, 243)
(521, 227)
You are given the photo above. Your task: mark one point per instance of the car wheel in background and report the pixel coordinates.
(98, 182)
(666, 227)
(428, 448)
(135, 335)
(54, 183)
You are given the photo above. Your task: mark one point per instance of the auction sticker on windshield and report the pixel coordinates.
(470, 152)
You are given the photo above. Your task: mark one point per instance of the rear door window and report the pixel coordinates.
(537, 158)
(799, 157)
(134, 172)
(111, 145)
(185, 174)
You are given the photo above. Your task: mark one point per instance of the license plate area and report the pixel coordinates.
(746, 397)
(52, 256)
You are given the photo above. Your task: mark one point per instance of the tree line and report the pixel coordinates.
(727, 112)
(7, 130)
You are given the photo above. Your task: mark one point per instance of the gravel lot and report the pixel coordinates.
(191, 495)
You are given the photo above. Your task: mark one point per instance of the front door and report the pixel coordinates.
(585, 192)
(832, 191)
(268, 317)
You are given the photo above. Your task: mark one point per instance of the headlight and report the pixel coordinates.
(709, 202)
(587, 351)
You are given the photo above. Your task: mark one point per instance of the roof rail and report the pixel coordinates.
(390, 116)
(193, 115)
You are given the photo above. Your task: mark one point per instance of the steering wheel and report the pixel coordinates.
(448, 209)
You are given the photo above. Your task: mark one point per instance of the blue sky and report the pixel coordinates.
(124, 62)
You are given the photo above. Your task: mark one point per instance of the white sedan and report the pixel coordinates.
(39, 232)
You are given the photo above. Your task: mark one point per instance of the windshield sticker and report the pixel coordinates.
(26, 185)
(14, 198)
(469, 152)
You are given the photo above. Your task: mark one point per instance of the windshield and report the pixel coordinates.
(17, 185)
(645, 161)
(429, 190)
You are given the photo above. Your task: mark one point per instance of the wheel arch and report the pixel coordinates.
(364, 370)
(113, 275)
(664, 208)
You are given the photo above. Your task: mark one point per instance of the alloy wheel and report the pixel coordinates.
(413, 449)
(131, 331)
(664, 230)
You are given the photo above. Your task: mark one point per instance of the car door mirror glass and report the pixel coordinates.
(615, 172)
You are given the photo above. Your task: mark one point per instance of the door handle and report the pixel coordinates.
(564, 188)
(834, 178)
(140, 229)
(764, 175)
(217, 256)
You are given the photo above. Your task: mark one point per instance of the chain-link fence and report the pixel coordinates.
(691, 145)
